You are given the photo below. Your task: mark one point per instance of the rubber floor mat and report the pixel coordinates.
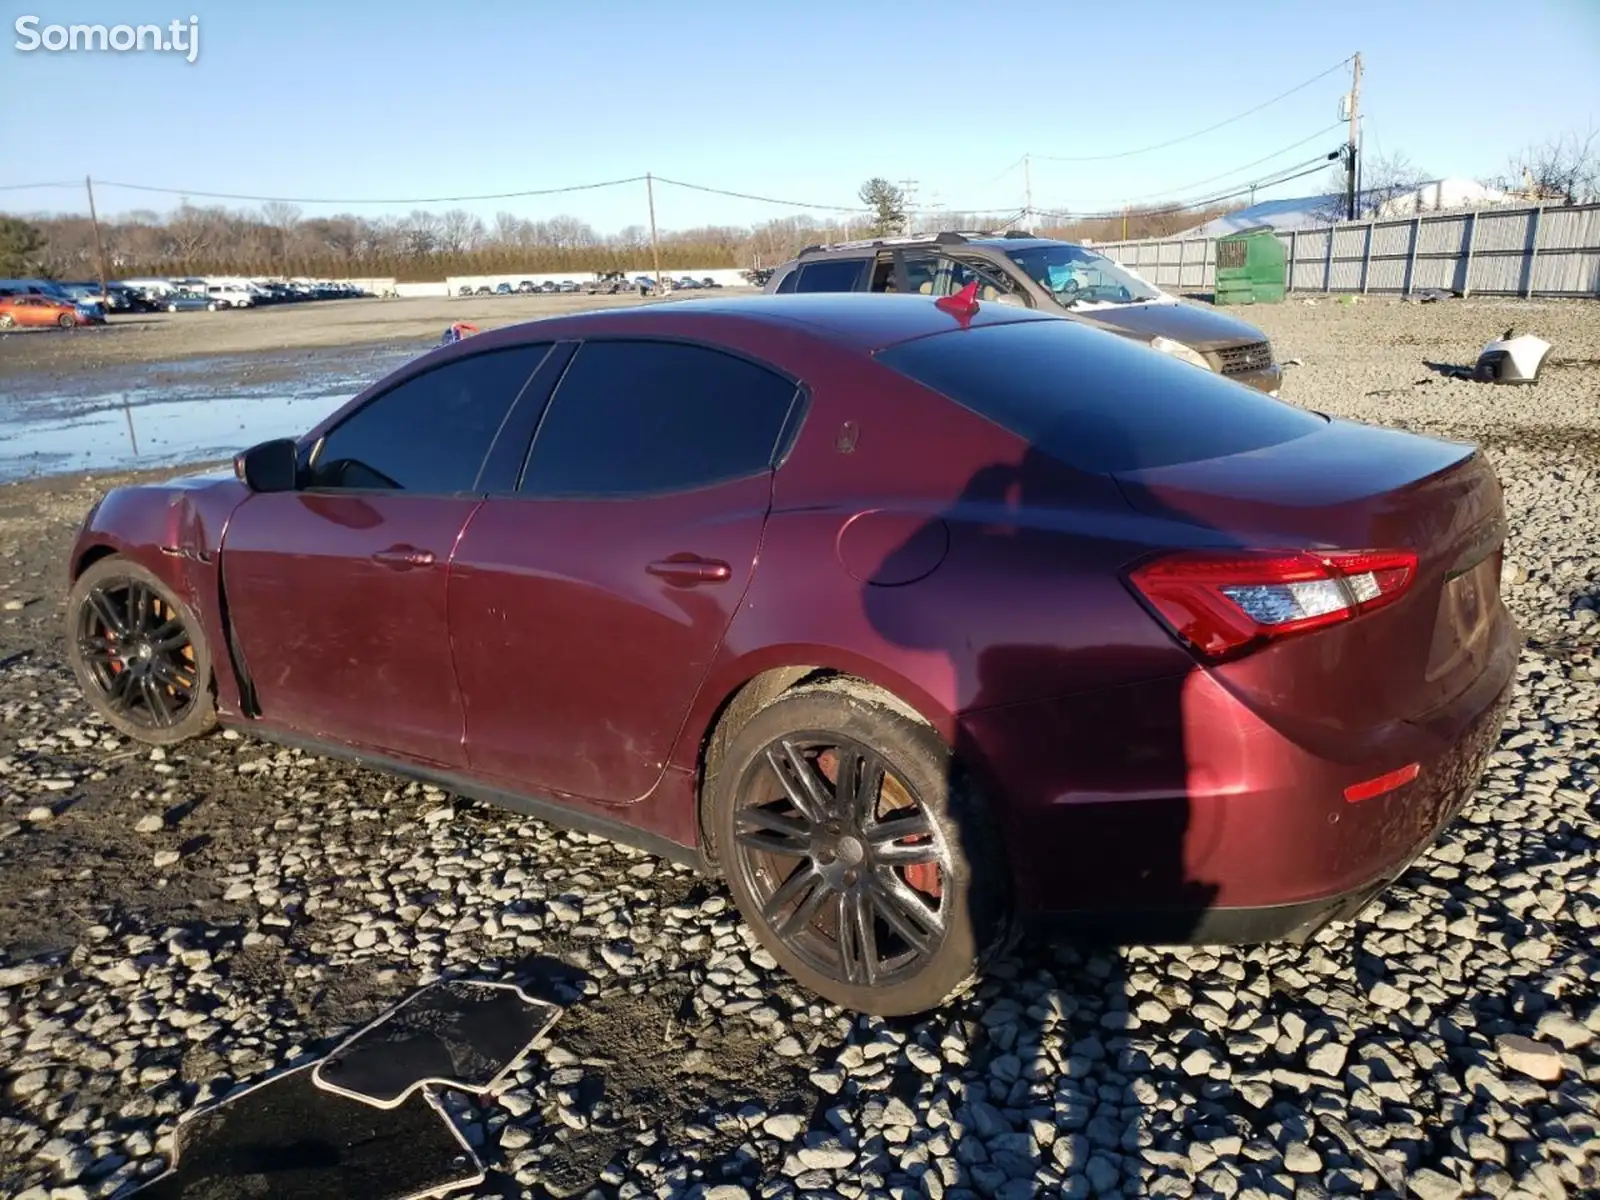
(288, 1139)
(453, 1033)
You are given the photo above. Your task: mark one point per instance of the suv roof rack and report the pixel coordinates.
(948, 237)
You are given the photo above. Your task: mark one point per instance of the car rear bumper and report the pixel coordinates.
(1170, 812)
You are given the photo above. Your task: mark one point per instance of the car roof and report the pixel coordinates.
(1011, 240)
(858, 320)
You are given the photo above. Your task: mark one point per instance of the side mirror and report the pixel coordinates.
(270, 466)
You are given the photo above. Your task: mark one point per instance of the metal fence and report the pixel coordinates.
(1537, 251)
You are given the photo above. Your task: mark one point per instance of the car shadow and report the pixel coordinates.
(1049, 1080)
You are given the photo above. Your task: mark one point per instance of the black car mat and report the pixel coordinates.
(454, 1033)
(287, 1139)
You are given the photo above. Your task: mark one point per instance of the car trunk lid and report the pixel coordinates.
(1357, 487)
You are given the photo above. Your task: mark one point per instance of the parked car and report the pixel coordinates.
(483, 290)
(709, 282)
(231, 295)
(35, 310)
(526, 287)
(503, 289)
(190, 301)
(1045, 625)
(567, 285)
(1049, 275)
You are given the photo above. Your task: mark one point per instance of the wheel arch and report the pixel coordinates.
(747, 692)
(88, 555)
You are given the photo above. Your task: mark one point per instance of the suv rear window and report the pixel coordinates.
(1096, 401)
(831, 275)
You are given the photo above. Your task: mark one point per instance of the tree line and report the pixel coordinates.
(278, 239)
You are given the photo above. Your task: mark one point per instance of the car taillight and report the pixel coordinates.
(1224, 601)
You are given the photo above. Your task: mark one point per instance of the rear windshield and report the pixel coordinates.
(1094, 400)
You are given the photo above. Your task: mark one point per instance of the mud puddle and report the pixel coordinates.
(174, 413)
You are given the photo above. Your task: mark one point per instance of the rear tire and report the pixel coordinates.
(139, 654)
(7, 320)
(891, 895)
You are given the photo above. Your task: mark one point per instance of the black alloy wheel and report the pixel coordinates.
(848, 869)
(857, 851)
(139, 654)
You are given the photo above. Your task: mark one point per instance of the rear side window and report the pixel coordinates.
(832, 275)
(431, 433)
(639, 418)
(1096, 401)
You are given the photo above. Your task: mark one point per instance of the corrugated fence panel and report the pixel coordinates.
(1569, 229)
(1566, 272)
(1443, 235)
(1499, 274)
(1386, 275)
(1412, 254)
(1503, 230)
(1391, 237)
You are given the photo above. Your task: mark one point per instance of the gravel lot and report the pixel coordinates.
(174, 925)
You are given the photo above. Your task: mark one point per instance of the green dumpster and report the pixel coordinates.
(1251, 267)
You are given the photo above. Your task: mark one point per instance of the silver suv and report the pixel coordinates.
(1073, 280)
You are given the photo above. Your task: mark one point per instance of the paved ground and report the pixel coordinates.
(175, 924)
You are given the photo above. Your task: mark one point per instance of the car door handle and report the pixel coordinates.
(404, 558)
(686, 570)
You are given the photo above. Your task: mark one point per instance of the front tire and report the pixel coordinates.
(139, 654)
(857, 853)
(66, 321)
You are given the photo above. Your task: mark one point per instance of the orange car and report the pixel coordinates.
(41, 310)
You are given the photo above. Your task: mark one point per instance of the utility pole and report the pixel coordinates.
(908, 193)
(655, 246)
(1350, 146)
(1027, 194)
(99, 247)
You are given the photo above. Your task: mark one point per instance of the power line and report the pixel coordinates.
(576, 187)
(699, 187)
(22, 187)
(1267, 181)
(1245, 167)
(1081, 158)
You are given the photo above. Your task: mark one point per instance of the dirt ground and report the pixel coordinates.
(158, 337)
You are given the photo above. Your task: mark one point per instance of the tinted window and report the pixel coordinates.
(429, 434)
(922, 274)
(991, 283)
(632, 418)
(834, 275)
(1094, 400)
(786, 284)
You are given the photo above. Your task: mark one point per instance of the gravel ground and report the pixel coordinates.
(176, 924)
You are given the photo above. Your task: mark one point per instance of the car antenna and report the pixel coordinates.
(961, 304)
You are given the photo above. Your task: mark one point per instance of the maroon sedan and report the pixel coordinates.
(907, 618)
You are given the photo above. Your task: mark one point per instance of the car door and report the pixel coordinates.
(586, 608)
(336, 591)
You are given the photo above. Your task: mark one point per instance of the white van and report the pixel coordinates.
(232, 295)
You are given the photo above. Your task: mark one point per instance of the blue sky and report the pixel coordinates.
(796, 101)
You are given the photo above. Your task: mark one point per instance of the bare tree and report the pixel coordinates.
(1384, 178)
(1565, 169)
(460, 231)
